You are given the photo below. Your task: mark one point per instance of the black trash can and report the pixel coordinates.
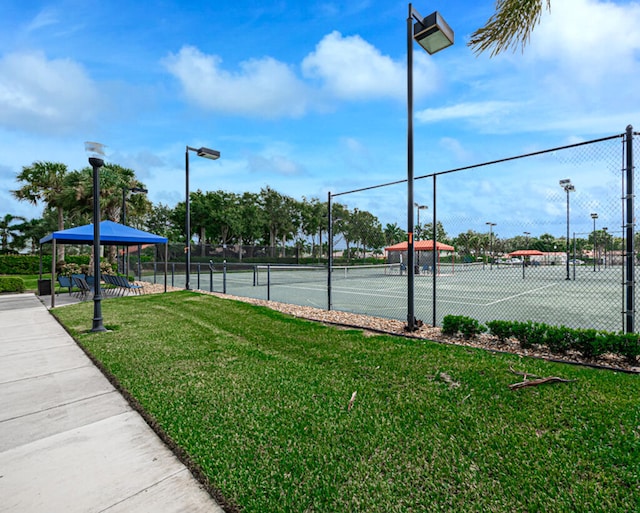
(44, 287)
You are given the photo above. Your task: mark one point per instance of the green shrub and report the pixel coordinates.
(558, 339)
(452, 324)
(527, 333)
(590, 342)
(500, 329)
(471, 327)
(11, 284)
(627, 345)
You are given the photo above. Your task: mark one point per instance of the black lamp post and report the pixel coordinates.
(96, 154)
(568, 187)
(207, 154)
(433, 34)
(594, 216)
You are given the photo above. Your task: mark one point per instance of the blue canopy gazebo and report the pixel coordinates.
(110, 234)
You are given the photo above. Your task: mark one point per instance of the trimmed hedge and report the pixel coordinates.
(30, 264)
(11, 284)
(590, 343)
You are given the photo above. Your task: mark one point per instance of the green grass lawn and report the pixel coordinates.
(259, 400)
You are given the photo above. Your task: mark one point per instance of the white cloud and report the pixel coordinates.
(489, 109)
(44, 18)
(589, 39)
(351, 68)
(262, 87)
(45, 96)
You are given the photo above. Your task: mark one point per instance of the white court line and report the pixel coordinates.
(521, 294)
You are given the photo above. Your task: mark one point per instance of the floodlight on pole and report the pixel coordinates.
(206, 153)
(96, 154)
(433, 34)
(568, 187)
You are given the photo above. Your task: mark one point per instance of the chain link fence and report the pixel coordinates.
(544, 237)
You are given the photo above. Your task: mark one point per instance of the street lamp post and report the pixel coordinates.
(433, 34)
(526, 235)
(123, 221)
(207, 154)
(491, 225)
(419, 227)
(568, 187)
(594, 216)
(96, 154)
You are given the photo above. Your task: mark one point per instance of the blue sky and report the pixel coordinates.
(305, 97)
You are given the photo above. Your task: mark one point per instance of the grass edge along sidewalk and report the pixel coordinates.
(260, 403)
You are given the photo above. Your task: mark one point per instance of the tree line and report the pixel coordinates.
(267, 218)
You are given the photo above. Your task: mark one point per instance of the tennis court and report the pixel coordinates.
(589, 299)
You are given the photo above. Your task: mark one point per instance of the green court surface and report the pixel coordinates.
(589, 299)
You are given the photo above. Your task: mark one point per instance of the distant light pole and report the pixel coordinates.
(594, 216)
(419, 208)
(526, 235)
(491, 225)
(123, 221)
(433, 34)
(207, 154)
(96, 154)
(568, 187)
(606, 241)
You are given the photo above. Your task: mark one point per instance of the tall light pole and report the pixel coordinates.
(568, 187)
(606, 241)
(419, 208)
(594, 216)
(526, 235)
(123, 221)
(207, 154)
(433, 34)
(491, 225)
(96, 159)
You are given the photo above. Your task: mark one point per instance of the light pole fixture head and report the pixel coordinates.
(208, 153)
(433, 33)
(594, 216)
(567, 185)
(138, 190)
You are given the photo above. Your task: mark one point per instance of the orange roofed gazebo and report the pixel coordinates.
(418, 246)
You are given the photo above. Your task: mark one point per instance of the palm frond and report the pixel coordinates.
(509, 27)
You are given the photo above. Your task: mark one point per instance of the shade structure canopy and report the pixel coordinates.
(526, 252)
(110, 233)
(420, 245)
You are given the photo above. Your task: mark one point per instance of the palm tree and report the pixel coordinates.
(7, 230)
(44, 181)
(511, 25)
(78, 193)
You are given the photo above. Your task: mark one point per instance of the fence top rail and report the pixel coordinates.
(489, 163)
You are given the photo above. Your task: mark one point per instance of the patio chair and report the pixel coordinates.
(65, 282)
(127, 285)
(83, 287)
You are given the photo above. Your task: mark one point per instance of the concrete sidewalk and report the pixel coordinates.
(69, 442)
